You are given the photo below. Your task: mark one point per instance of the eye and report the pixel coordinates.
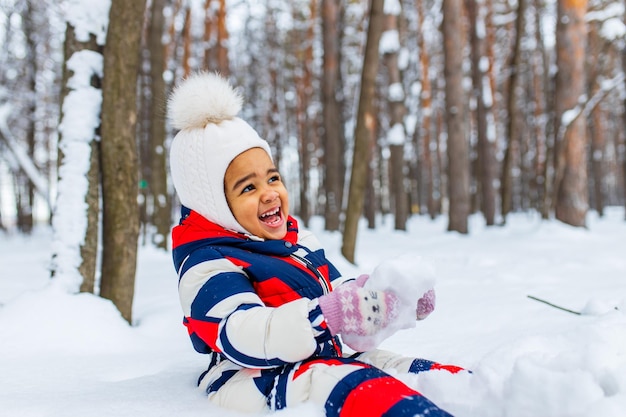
(274, 178)
(247, 188)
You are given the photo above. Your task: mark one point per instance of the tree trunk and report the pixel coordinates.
(222, 40)
(540, 88)
(425, 128)
(25, 221)
(305, 120)
(458, 152)
(89, 249)
(598, 144)
(216, 37)
(548, 86)
(396, 135)
(333, 134)
(186, 40)
(363, 131)
(486, 159)
(513, 125)
(598, 124)
(571, 196)
(119, 154)
(87, 245)
(161, 206)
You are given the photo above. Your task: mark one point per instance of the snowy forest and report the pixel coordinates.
(403, 107)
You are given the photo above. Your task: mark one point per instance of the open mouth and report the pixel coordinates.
(272, 217)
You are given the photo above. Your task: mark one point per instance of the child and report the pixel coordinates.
(258, 294)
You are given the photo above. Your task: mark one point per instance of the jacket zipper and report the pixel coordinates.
(312, 268)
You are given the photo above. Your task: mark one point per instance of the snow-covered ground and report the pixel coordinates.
(73, 355)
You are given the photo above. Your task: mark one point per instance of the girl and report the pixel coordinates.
(259, 297)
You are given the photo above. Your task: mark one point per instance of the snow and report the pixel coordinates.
(392, 7)
(611, 19)
(613, 30)
(396, 135)
(389, 42)
(20, 156)
(396, 92)
(64, 355)
(409, 277)
(81, 117)
(88, 17)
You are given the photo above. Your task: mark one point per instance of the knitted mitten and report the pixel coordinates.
(426, 304)
(350, 309)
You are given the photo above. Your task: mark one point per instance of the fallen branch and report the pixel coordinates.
(578, 313)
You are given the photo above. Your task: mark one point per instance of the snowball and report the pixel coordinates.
(409, 277)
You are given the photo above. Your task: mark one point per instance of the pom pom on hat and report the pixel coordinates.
(201, 99)
(204, 107)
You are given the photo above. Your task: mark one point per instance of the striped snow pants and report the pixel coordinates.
(345, 387)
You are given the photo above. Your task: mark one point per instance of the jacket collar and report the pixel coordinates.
(194, 230)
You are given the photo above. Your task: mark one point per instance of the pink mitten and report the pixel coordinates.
(350, 309)
(361, 280)
(426, 304)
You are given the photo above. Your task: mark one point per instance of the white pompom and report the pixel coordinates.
(203, 98)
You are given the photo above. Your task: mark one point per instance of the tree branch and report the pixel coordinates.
(25, 163)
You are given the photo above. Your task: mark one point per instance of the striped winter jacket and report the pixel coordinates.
(253, 301)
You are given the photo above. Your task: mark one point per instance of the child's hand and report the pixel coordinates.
(426, 304)
(351, 309)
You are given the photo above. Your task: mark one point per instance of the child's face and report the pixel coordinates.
(256, 195)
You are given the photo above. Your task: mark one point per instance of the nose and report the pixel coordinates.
(269, 195)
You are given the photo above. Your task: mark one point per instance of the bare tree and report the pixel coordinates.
(119, 154)
(458, 147)
(216, 37)
(27, 200)
(486, 160)
(27, 85)
(425, 128)
(396, 136)
(304, 116)
(363, 130)
(597, 122)
(570, 182)
(333, 137)
(157, 183)
(513, 127)
(542, 107)
(70, 143)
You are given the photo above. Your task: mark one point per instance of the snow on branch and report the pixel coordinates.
(570, 116)
(25, 163)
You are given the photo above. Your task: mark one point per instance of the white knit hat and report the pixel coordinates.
(204, 107)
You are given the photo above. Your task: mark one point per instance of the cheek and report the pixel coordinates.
(241, 208)
(248, 207)
(284, 197)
